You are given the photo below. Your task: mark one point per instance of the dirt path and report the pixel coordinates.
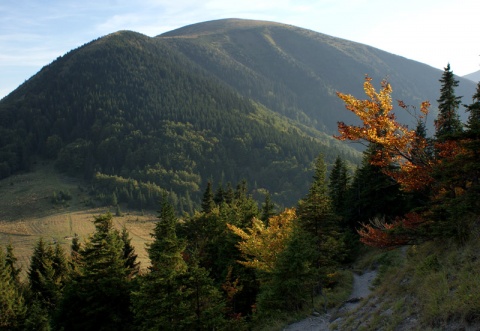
(361, 289)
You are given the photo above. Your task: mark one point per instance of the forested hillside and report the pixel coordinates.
(260, 213)
(223, 101)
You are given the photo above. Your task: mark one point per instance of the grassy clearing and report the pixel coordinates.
(27, 213)
(433, 286)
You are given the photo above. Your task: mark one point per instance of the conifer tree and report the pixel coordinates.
(338, 186)
(372, 193)
(317, 218)
(129, 255)
(268, 208)
(98, 298)
(11, 261)
(206, 306)
(291, 284)
(41, 276)
(12, 302)
(448, 123)
(472, 162)
(219, 195)
(208, 202)
(160, 302)
(473, 122)
(315, 210)
(229, 193)
(75, 258)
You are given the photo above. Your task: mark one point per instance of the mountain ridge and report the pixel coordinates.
(210, 101)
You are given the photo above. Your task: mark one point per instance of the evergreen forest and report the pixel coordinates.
(261, 208)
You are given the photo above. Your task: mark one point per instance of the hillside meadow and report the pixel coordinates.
(28, 213)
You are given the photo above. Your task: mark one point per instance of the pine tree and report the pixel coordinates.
(294, 277)
(208, 202)
(372, 194)
(448, 123)
(338, 186)
(98, 298)
(129, 255)
(47, 275)
(12, 302)
(41, 275)
(206, 306)
(11, 261)
(75, 258)
(473, 122)
(317, 218)
(315, 210)
(268, 208)
(160, 302)
(219, 195)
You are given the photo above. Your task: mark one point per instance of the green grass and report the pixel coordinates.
(435, 285)
(27, 213)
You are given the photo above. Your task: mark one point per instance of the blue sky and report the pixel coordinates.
(33, 33)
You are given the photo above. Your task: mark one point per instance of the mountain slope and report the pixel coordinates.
(304, 69)
(224, 100)
(474, 76)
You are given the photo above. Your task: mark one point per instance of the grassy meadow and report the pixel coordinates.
(28, 213)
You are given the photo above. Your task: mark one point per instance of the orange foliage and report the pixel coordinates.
(401, 149)
(391, 235)
(402, 154)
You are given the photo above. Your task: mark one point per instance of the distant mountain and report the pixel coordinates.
(474, 76)
(223, 100)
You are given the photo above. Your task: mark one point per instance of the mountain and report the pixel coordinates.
(224, 100)
(474, 76)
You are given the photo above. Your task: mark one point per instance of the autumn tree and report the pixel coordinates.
(399, 152)
(407, 157)
(284, 256)
(293, 281)
(261, 243)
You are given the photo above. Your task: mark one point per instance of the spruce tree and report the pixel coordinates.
(12, 302)
(473, 122)
(208, 202)
(372, 194)
(315, 210)
(41, 275)
(159, 304)
(294, 277)
(98, 297)
(129, 255)
(11, 261)
(338, 186)
(206, 306)
(448, 123)
(317, 218)
(268, 208)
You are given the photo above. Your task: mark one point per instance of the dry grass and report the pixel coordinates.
(27, 213)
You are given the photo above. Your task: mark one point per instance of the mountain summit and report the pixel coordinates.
(223, 100)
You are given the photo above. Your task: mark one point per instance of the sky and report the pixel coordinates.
(33, 33)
